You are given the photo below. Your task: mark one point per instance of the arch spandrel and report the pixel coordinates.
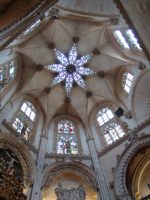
(121, 190)
(74, 167)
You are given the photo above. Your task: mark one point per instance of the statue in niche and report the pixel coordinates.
(70, 194)
(58, 191)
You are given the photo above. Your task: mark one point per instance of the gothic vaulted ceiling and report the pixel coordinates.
(92, 32)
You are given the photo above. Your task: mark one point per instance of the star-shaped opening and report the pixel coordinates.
(70, 69)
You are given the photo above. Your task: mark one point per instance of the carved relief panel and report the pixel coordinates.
(70, 194)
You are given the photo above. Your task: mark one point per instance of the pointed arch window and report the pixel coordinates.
(127, 81)
(127, 39)
(7, 73)
(25, 119)
(109, 125)
(66, 137)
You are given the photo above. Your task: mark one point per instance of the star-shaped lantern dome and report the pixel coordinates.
(70, 69)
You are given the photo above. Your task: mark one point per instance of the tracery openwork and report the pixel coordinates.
(127, 39)
(71, 69)
(66, 138)
(25, 119)
(7, 73)
(110, 128)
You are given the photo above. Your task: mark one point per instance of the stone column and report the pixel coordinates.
(101, 179)
(37, 191)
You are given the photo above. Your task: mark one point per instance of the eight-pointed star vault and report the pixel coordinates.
(70, 69)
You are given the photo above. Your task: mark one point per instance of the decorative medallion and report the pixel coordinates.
(70, 69)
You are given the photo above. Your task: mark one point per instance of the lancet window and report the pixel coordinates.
(127, 39)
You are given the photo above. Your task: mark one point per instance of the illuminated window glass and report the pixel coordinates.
(104, 115)
(127, 81)
(66, 138)
(24, 120)
(109, 126)
(113, 132)
(132, 40)
(127, 39)
(29, 110)
(121, 40)
(7, 73)
(32, 27)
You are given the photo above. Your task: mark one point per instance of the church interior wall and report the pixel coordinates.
(75, 143)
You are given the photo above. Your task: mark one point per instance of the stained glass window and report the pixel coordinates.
(127, 81)
(7, 73)
(113, 132)
(127, 39)
(66, 138)
(24, 120)
(110, 128)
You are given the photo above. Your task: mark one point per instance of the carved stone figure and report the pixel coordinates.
(11, 179)
(82, 192)
(70, 194)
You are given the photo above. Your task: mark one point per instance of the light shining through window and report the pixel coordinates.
(127, 39)
(32, 27)
(120, 38)
(127, 82)
(109, 126)
(66, 138)
(71, 69)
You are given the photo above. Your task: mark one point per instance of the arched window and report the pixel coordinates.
(25, 119)
(110, 128)
(7, 73)
(127, 81)
(127, 39)
(66, 137)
